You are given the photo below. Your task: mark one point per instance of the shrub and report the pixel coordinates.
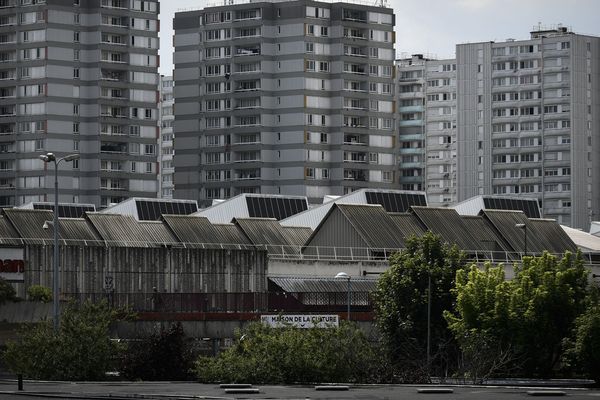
(39, 293)
(291, 355)
(165, 355)
(7, 292)
(80, 350)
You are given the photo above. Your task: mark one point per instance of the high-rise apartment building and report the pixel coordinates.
(426, 93)
(78, 76)
(166, 120)
(528, 122)
(284, 97)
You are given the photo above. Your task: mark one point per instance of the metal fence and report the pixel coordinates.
(230, 302)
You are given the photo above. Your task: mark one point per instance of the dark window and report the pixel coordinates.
(152, 210)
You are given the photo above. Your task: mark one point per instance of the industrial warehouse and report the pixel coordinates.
(274, 253)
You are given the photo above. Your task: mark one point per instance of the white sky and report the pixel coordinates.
(436, 26)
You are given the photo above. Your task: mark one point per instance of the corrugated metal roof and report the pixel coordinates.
(192, 231)
(505, 222)
(374, 225)
(323, 285)
(408, 224)
(120, 230)
(74, 230)
(8, 235)
(485, 233)
(313, 216)
(231, 234)
(29, 223)
(297, 235)
(555, 239)
(158, 233)
(262, 231)
(446, 223)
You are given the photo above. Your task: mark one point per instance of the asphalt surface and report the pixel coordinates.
(190, 390)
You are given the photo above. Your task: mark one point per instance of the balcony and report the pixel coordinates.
(355, 175)
(114, 148)
(413, 122)
(247, 51)
(411, 109)
(354, 15)
(352, 157)
(118, 4)
(355, 140)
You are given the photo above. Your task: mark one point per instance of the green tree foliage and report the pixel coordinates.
(165, 355)
(291, 355)
(529, 315)
(39, 293)
(81, 350)
(7, 292)
(401, 303)
(584, 346)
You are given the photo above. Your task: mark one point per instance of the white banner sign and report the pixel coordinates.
(301, 321)
(12, 266)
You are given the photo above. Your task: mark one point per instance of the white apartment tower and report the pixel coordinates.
(292, 97)
(528, 122)
(78, 76)
(166, 120)
(426, 99)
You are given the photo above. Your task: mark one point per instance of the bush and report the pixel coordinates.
(166, 355)
(7, 292)
(39, 293)
(291, 355)
(81, 350)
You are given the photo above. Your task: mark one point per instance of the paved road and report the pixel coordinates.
(188, 390)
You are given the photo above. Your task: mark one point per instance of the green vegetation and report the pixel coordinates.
(291, 355)
(7, 292)
(39, 293)
(523, 320)
(81, 350)
(165, 355)
(401, 302)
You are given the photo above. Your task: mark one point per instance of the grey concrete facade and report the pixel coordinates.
(528, 122)
(78, 76)
(165, 142)
(426, 94)
(288, 98)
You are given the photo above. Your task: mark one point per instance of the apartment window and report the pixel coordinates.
(76, 55)
(76, 127)
(149, 149)
(149, 167)
(565, 45)
(310, 47)
(76, 145)
(75, 109)
(76, 19)
(76, 37)
(76, 73)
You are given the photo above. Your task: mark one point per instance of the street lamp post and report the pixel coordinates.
(50, 157)
(343, 275)
(524, 227)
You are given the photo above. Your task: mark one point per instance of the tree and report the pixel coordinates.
(530, 314)
(165, 355)
(584, 347)
(292, 355)
(7, 292)
(81, 350)
(401, 301)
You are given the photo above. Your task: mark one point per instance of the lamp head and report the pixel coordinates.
(71, 157)
(48, 157)
(342, 275)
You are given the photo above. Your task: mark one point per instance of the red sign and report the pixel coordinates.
(12, 266)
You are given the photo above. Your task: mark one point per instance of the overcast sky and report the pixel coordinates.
(435, 26)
